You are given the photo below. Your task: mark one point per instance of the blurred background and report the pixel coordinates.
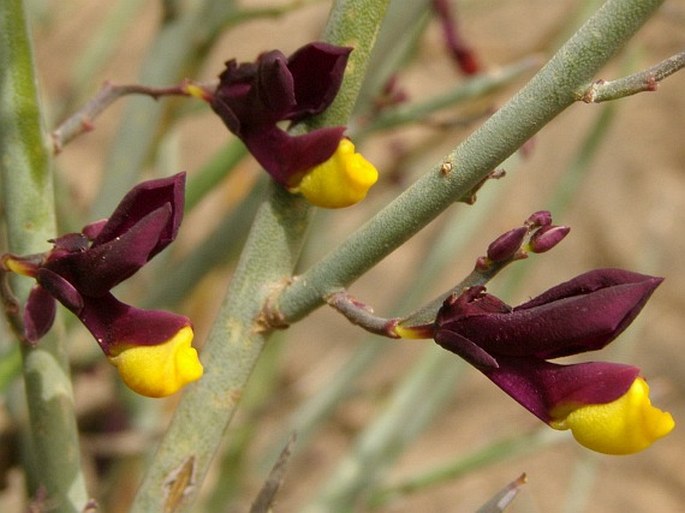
(410, 428)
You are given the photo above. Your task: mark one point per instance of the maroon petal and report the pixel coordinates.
(273, 96)
(92, 230)
(550, 391)
(60, 289)
(286, 158)
(317, 70)
(97, 270)
(472, 353)
(141, 201)
(39, 314)
(584, 314)
(116, 325)
(592, 281)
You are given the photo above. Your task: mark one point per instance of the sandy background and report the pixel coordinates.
(629, 212)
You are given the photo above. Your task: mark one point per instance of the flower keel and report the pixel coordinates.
(341, 181)
(625, 426)
(162, 369)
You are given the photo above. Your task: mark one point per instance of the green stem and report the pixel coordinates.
(410, 408)
(551, 91)
(476, 87)
(464, 465)
(29, 211)
(236, 339)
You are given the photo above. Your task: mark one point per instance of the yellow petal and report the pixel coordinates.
(162, 369)
(18, 266)
(341, 181)
(625, 426)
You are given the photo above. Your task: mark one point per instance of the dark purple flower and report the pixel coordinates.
(252, 98)
(82, 268)
(606, 405)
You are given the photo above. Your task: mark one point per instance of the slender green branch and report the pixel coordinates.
(647, 80)
(411, 406)
(464, 465)
(236, 339)
(29, 212)
(551, 91)
(475, 87)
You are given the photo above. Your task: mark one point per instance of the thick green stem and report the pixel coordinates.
(29, 213)
(237, 337)
(552, 90)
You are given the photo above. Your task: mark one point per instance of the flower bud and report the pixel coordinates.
(539, 218)
(506, 245)
(547, 237)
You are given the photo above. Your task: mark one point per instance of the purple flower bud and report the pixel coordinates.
(539, 218)
(547, 237)
(506, 245)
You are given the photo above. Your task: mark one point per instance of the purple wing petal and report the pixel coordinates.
(141, 201)
(60, 289)
(273, 96)
(317, 70)
(116, 325)
(39, 314)
(549, 390)
(95, 271)
(286, 158)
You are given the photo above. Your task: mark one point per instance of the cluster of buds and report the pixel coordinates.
(253, 98)
(537, 235)
(150, 348)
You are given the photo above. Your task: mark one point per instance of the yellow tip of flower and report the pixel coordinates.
(625, 426)
(341, 181)
(408, 332)
(195, 91)
(162, 369)
(17, 266)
